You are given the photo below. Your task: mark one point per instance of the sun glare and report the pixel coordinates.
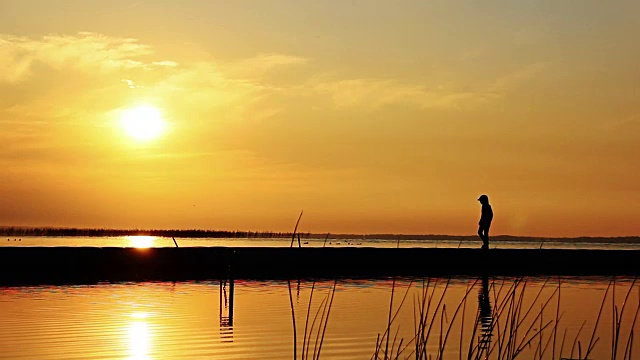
(141, 241)
(143, 122)
(139, 340)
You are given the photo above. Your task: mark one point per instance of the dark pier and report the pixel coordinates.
(33, 265)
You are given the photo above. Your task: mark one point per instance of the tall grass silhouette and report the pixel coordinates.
(523, 323)
(315, 325)
(314, 331)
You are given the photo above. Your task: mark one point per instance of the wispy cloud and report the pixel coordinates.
(203, 87)
(199, 86)
(14, 61)
(258, 66)
(237, 85)
(628, 126)
(518, 76)
(167, 63)
(374, 93)
(83, 51)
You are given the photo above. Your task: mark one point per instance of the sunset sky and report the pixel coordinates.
(372, 116)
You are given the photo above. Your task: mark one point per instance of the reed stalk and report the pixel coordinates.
(295, 229)
(555, 328)
(385, 337)
(618, 322)
(629, 346)
(293, 319)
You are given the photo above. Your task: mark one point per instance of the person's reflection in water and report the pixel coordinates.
(226, 310)
(486, 318)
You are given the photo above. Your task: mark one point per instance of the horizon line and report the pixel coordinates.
(148, 231)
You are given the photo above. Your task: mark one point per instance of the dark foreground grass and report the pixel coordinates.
(517, 326)
(515, 319)
(315, 326)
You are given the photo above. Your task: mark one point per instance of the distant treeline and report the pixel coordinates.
(20, 231)
(194, 233)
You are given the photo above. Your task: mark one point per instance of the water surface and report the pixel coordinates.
(253, 319)
(154, 241)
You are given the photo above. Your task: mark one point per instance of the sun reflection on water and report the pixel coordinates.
(141, 242)
(139, 337)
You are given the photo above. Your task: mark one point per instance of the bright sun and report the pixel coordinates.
(143, 122)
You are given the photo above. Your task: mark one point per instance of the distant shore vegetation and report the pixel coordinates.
(204, 233)
(191, 233)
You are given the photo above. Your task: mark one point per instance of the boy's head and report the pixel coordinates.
(484, 199)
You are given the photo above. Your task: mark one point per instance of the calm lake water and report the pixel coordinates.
(154, 241)
(253, 319)
(344, 319)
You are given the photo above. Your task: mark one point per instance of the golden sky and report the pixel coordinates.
(372, 116)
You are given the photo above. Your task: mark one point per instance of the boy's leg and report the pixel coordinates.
(483, 236)
(485, 240)
(483, 232)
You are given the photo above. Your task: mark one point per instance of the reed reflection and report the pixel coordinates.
(486, 319)
(226, 310)
(139, 337)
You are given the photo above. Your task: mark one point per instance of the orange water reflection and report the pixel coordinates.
(142, 241)
(139, 337)
(238, 319)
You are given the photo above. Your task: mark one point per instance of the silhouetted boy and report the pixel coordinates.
(485, 221)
